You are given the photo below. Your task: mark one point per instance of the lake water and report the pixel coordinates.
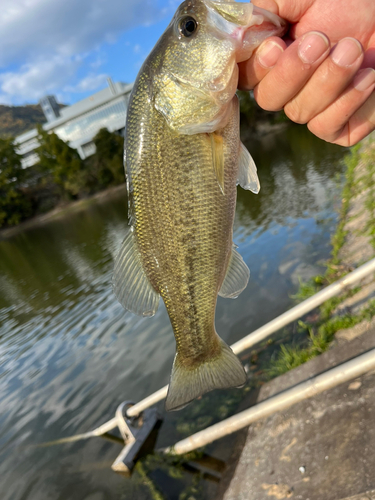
(69, 354)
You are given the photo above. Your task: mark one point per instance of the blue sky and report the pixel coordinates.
(69, 47)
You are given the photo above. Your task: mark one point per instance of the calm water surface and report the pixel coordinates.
(69, 354)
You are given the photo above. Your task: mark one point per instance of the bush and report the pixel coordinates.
(14, 206)
(109, 158)
(60, 163)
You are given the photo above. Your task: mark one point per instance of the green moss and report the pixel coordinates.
(318, 336)
(334, 268)
(154, 492)
(308, 289)
(348, 191)
(369, 185)
(174, 466)
(330, 305)
(290, 357)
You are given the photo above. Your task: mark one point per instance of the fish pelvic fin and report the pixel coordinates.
(247, 171)
(236, 278)
(187, 383)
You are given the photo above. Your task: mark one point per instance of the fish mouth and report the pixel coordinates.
(269, 21)
(245, 23)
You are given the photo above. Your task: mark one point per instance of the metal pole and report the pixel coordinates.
(265, 331)
(316, 385)
(151, 400)
(304, 307)
(99, 431)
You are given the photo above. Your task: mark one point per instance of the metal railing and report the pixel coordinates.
(307, 389)
(273, 326)
(315, 385)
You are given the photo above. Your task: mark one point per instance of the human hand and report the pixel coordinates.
(330, 90)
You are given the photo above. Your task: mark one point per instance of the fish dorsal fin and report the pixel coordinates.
(236, 278)
(247, 172)
(218, 158)
(130, 283)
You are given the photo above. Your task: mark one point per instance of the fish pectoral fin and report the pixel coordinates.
(130, 283)
(247, 171)
(218, 158)
(220, 372)
(236, 278)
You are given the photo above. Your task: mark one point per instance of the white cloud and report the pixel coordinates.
(43, 43)
(99, 61)
(90, 82)
(32, 81)
(66, 27)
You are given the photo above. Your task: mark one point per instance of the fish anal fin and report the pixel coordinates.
(217, 147)
(236, 278)
(188, 383)
(247, 171)
(130, 283)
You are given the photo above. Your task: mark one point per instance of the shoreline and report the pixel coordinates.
(344, 329)
(353, 244)
(263, 129)
(61, 211)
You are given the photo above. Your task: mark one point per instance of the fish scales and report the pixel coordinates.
(183, 158)
(184, 224)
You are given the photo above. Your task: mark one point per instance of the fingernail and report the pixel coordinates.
(346, 52)
(364, 79)
(268, 54)
(312, 47)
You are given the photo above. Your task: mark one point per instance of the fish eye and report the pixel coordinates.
(187, 26)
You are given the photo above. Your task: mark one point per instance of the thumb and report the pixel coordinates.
(270, 5)
(290, 10)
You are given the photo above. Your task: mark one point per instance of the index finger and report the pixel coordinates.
(252, 71)
(292, 71)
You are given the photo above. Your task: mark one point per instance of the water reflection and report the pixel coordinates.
(69, 354)
(293, 168)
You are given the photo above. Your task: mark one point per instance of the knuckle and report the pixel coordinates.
(262, 97)
(266, 98)
(318, 127)
(296, 112)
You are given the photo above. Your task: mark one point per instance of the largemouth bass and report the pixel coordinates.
(183, 160)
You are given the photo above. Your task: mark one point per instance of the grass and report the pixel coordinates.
(348, 191)
(317, 337)
(319, 340)
(335, 270)
(321, 334)
(370, 199)
(310, 288)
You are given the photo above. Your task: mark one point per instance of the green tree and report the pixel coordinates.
(109, 158)
(14, 206)
(61, 162)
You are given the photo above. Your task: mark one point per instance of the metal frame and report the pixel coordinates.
(265, 331)
(130, 418)
(315, 385)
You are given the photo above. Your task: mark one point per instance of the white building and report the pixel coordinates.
(78, 124)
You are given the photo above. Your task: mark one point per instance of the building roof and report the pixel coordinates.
(87, 104)
(115, 89)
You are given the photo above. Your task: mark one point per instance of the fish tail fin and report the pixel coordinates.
(222, 371)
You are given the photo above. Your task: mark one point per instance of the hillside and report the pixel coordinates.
(17, 119)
